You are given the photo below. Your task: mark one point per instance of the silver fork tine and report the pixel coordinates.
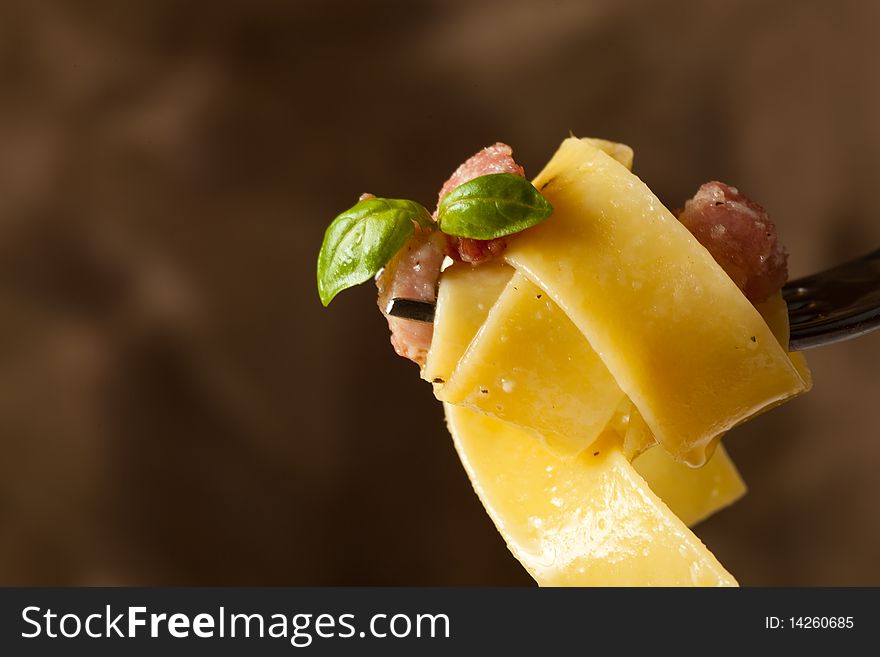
(420, 311)
(837, 304)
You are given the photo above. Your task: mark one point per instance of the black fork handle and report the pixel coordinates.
(836, 304)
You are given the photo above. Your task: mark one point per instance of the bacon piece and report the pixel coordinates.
(412, 274)
(474, 252)
(497, 158)
(740, 236)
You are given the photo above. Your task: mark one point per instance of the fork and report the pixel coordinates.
(837, 304)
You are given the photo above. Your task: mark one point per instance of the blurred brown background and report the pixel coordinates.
(175, 405)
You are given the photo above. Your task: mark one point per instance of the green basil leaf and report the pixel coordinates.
(492, 206)
(362, 240)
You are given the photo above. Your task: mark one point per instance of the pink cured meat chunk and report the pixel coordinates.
(415, 270)
(497, 158)
(473, 251)
(412, 274)
(740, 236)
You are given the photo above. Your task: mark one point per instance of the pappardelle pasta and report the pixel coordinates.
(590, 351)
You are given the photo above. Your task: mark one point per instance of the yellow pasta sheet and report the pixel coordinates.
(532, 362)
(775, 313)
(463, 302)
(529, 365)
(590, 520)
(678, 337)
(693, 494)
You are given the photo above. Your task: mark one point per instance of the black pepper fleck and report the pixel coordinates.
(595, 453)
(547, 184)
(753, 339)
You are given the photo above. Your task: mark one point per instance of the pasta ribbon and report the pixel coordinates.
(610, 329)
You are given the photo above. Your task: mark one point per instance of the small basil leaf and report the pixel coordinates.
(492, 206)
(361, 240)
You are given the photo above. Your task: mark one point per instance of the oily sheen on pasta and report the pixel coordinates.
(582, 377)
